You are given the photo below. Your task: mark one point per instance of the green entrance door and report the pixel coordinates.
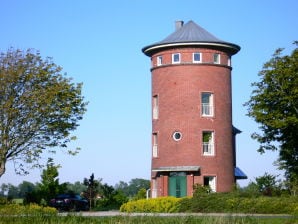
(177, 184)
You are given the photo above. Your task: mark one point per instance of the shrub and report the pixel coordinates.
(232, 203)
(3, 201)
(154, 205)
(32, 209)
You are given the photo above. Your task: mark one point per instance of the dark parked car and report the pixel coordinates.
(69, 202)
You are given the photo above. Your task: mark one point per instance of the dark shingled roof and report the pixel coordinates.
(191, 34)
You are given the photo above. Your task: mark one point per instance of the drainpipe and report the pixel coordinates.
(147, 193)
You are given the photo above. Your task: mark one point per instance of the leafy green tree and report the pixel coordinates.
(132, 188)
(107, 191)
(92, 189)
(39, 108)
(13, 192)
(274, 105)
(123, 186)
(49, 186)
(4, 189)
(76, 188)
(25, 187)
(111, 198)
(142, 194)
(268, 184)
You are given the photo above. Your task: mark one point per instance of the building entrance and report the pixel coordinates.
(177, 184)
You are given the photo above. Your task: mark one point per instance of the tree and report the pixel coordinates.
(268, 184)
(49, 186)
(39, 107)
(25, 187)
(13, 192)
(274, 105)
(92, 189)
(134, 186)
(137, 184)
(76, 188)
(111, 198)
(4, 189)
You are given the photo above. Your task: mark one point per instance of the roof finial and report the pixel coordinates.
(178, 24)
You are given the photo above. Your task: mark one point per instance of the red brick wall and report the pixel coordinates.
(179, 88)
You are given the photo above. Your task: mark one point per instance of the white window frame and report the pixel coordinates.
(216, 58)
(229, 62)
(155, 111)
(208, 146)
(154, 188)
(173, 58)
(207, 109)
(212, 182)
(159, 60)
(154, 145)
(193, 57)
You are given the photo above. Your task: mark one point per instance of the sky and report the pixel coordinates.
(99, 44)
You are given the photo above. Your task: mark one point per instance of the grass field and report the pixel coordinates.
(70, 219)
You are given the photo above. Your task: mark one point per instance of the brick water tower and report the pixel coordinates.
(193, 139)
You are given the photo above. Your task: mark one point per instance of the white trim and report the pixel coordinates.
(174, 137)
(212, 182)
(176, 168)
(207, 107)
(193, 43)
(159, 60)
(173, 56)
(218, 58)
(208, 147)
(154, 145)
(155, 107)
(193, 57)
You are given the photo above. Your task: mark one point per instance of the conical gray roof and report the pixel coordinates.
(188, 35)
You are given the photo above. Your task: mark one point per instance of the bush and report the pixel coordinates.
(32, 209)
(3, 201)
(232, 203)
(155, 205)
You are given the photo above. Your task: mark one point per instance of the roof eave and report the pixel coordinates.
(151, 49)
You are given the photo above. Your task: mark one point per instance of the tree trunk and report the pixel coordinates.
(2, 167)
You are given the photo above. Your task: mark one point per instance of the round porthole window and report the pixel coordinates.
(177, 136)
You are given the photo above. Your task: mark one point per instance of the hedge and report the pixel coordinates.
(226, 203)
(32, 209)
(215, 203)
(154, 205)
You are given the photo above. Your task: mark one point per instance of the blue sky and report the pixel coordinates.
(99, 43)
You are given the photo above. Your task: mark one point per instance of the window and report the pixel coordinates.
(207, 104)
(216, 58)
(155, 107)
(208, 143)
(229, 62)
(177, 136)
(154, 145)
(159, 60)
(211, 182)
(197, 57)
(175, 58)
(154, 189)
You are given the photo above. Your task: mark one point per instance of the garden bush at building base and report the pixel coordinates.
(154, 205)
